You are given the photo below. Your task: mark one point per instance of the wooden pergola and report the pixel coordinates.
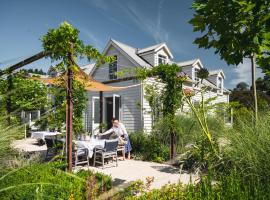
(89, 83)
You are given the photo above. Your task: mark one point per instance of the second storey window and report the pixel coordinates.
(161, 59)
(196, 70)
(113, 69)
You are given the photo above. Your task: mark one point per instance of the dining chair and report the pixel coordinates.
(109, 151)
(80, 156)
(51, 148)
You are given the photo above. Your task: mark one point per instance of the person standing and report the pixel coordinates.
(120, 130)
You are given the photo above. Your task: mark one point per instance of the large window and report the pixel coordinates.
(113, 69)
(162, 59)
(196, 70)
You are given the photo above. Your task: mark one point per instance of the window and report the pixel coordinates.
(113, 69)
(196, 70)
(162, 59)
(220, 84)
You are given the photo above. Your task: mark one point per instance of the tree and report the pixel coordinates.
(172, 79)
(237, 29)
(25, 95)
(64, 45)
(242, 86)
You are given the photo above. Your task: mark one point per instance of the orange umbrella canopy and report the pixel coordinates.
(89, 83)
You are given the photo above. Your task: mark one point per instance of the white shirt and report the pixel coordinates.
(120, 130)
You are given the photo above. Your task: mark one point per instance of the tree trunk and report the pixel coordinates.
(172, 145)
(8, 100)
(253, 73)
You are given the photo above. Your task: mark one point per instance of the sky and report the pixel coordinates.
(138, 23)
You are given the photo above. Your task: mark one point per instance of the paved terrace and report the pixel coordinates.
(127, 171)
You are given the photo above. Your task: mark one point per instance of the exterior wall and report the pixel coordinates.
(149, 57)
(188, 70)
(131, 114)
(163, 53)
(102, 73)
(146, 109)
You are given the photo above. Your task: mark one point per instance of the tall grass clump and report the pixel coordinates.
(249, 147)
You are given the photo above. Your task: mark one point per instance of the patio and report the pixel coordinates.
(127, 171)
(132, 170)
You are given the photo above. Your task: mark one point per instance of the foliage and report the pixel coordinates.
(245, 99)
(43, 181)
(26, 94)
(248, 147)
(64, 40)
(237, 29)
(57, 117)
(147, 147)
(154, 97)
(172, 79)
(231, 186)
(242, 86)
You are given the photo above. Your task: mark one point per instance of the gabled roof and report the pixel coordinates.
(88, 68)
(156, 48)
(189, 63)
(216, 72)
(129, 51)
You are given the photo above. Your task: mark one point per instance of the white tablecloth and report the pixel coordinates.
(42, 134)
(90, 145)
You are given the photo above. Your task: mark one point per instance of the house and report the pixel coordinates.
(130, 105)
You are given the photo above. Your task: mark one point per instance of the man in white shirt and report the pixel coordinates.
(120, 130)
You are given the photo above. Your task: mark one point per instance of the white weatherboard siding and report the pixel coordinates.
(131, 114)
(102, 73)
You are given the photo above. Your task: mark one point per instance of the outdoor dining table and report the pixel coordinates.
(41, 135)
(90, 145)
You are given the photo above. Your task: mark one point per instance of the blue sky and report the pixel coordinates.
(139, 23)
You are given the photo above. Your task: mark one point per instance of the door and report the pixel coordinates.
(116, 106)
(109, 111)
(95, 115)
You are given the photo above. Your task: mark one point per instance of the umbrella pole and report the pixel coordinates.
(69, 114)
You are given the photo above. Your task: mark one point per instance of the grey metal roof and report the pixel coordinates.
(151, 48)
(187, 63)
(132, 52)
(88, 68)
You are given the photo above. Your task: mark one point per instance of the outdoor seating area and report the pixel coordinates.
(94, 151)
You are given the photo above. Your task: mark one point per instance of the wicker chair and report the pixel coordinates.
(109, 151)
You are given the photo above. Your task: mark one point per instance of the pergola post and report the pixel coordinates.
(100, 111)
(69, 114)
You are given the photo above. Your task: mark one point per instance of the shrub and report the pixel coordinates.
(42, 180)
(148, 147)
(232, 186)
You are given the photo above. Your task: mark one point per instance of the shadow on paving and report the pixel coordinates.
(166, 169)
(118, 182)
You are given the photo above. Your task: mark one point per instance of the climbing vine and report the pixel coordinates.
(172, 78)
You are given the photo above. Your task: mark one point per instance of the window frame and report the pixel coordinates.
(163, 58)
(196, 70)
(113, 67)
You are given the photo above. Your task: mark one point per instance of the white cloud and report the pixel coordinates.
(243, 73)
(94, 39)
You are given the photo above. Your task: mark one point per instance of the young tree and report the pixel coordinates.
(237, 29)
(172, 79)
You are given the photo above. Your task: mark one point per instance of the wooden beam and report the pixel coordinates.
(24, 62)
